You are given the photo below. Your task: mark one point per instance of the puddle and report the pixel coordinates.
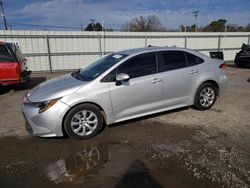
(35, 162)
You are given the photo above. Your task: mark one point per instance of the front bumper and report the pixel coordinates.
(45, 124)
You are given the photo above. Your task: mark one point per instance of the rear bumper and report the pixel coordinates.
(9, 82)
(25, 76)
(223, 84)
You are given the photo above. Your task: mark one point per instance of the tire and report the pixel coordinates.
(206, 96)
(83, 121)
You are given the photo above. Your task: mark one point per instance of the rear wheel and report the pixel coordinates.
(83, 121)
(205, 96)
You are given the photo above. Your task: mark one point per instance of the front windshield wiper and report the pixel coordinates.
(77, 75)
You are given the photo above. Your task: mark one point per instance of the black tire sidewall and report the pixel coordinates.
(73, 111)
(197, 103)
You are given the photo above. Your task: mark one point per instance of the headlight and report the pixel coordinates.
(45, 105)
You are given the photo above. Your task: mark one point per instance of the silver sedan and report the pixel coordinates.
(121, 86)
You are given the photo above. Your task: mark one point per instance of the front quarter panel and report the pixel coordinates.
(95, 92)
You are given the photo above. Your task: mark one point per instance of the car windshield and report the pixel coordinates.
(93, 70)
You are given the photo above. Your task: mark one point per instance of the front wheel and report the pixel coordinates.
(205, 96)
(83, 121)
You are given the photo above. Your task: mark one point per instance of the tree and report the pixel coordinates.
(188, 28)
(94, 27)
(247, 28)
(220, 25)
(146, 24)
(216, 26)
(232, 28)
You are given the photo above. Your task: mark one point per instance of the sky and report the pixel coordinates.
(114, 13)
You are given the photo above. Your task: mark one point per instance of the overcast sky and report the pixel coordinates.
(114, 13)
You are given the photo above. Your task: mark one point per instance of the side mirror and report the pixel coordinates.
(122, 77)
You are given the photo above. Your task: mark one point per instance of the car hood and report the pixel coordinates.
(55, 88)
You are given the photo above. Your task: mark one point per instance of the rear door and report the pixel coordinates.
(178, 79)
(144, 91)
(9, 69)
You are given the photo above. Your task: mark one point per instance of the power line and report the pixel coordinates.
(47, 26)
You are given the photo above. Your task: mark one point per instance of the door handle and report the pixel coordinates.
(156, 80)
(193, 72)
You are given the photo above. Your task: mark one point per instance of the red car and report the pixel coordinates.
(13, 66)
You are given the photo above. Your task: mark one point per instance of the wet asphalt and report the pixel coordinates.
(179, 148)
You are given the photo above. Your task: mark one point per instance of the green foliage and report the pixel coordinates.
(94, 27)
(216, 26)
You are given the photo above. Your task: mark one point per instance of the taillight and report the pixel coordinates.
(223, 66)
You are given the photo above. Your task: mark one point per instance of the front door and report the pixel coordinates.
(143, 93)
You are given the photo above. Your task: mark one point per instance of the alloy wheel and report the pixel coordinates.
(84, 122)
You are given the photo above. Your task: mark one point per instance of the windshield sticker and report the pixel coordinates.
(117, 56)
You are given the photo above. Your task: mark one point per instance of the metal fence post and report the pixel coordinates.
(104, 43)
(100, 45)
(185, 41)
(146, 41)
(219, 42)
(49, 56)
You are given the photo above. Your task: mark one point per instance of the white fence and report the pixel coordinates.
(55, 50)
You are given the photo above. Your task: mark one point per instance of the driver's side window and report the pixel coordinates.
(141, 65)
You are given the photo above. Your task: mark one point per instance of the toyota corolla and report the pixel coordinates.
(121, 86)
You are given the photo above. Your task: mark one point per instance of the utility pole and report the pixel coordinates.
(195, 14)
(225, 30)
(81, 26)
(3, 15)
(102, 25)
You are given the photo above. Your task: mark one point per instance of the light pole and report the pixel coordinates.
(3, 15)
(195, 14)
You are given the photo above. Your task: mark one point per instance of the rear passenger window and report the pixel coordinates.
(193, 59)
(174, 60)
(4, 54)
(138, 66)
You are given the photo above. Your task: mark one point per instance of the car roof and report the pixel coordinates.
(135, 51)
(147, 49)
